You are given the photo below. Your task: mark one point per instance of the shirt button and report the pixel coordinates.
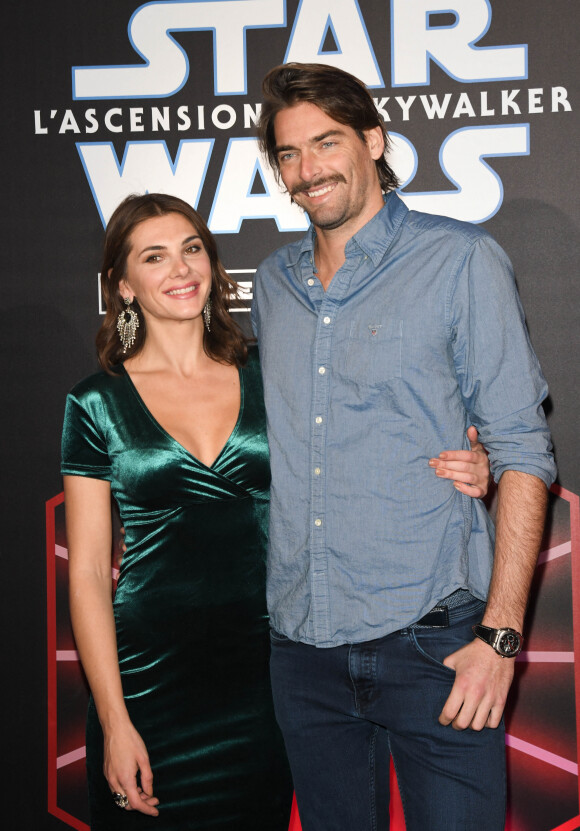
(310, 281)
(317, 471)
(321, 370)
(318, 419)
(318, 522)
(326, 320)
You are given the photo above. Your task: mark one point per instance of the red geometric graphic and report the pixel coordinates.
(67, 689)
(542, 738)
(543, 715)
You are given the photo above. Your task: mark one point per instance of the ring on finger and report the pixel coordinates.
(120, 799)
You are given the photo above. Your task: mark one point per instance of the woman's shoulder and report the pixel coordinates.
(98, 384)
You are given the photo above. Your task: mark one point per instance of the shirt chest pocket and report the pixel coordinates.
(374, 352)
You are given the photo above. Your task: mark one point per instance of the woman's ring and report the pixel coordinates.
(121, 799)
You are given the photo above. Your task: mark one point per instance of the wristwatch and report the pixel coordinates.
(506, 642)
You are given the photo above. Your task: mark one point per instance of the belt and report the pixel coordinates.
(439, 614)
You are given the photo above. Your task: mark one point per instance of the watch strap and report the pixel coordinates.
(494, 637)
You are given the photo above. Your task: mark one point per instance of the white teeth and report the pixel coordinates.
(320, 192)
(182, 291)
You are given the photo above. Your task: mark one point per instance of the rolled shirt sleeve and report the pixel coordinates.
(498, 372)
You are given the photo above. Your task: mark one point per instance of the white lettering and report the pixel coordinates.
(380, 104)
(91, 121)
(184, 122)
(403, 158)
(38, 128)
(251, 115)
(405, 105)
(416, 42)
(146, 166)
(166, 66)
(479, 192)
(160, 118)
(114, 128)
(344, 20)
(234, 200)
(560, 99)
(507, 102)
(230, 120)
(484, 108)
(69, 123)
(535, 100)
(433, 107)
(463, 107)
(136, 120)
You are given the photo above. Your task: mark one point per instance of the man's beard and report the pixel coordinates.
(316, 184)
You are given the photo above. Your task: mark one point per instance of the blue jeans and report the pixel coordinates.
(345, 711)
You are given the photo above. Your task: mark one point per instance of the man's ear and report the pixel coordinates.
(375, 142)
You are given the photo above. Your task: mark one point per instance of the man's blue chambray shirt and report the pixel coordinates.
(419, 335)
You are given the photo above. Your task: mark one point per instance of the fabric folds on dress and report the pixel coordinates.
(190, 610)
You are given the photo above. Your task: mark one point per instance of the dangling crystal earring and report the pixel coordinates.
(207, 314)
(127, 325)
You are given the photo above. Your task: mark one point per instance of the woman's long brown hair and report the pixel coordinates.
(225, 342)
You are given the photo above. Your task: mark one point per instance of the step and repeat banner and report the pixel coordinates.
(102, 99)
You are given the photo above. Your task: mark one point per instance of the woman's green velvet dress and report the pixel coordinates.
(190, 611)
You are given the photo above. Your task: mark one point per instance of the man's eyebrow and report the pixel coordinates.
(327, 134)
(281, 148)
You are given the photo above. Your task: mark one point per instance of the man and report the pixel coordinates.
(383, 334)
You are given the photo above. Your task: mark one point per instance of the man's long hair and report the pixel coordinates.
(337, 93)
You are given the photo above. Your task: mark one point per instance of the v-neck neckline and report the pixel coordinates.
(175, 441)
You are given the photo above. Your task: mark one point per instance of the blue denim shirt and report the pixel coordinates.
(420, 334)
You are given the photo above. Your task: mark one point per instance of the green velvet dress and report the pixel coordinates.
(190, 611)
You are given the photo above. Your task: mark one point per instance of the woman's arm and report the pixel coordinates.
(469, 469)
(88, 526)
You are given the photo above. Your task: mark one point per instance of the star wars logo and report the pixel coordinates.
(423, 33)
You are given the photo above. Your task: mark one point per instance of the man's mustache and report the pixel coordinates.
(302, 186)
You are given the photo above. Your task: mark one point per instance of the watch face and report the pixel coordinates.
(509, 643)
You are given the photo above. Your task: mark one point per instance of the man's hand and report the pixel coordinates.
(482, 683)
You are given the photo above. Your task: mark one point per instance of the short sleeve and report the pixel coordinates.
(84, 449)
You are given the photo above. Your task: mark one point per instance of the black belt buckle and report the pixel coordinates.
(438, 618)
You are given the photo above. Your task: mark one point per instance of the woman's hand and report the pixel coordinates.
(125, 756)
(469, 469)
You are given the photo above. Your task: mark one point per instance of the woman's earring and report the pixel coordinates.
(207, 314)
(127, 325)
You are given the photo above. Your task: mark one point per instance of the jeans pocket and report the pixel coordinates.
(434, 644)
(278, 637)
(430, 649)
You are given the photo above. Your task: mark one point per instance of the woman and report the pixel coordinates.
(180, 720)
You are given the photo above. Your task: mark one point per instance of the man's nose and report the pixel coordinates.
(309, 166)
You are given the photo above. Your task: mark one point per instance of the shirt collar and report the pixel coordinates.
(373, 239)
(376, 237)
